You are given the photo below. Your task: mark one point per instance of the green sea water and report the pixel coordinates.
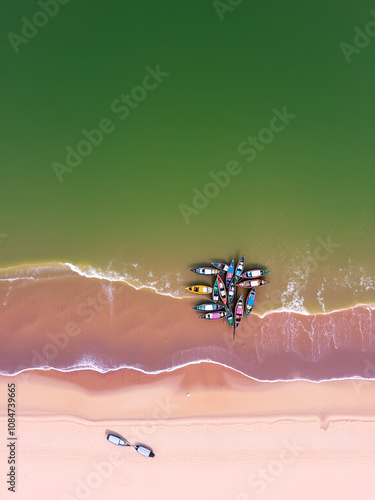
(225, 70)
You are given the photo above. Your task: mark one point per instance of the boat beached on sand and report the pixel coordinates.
(228, 310)
(201, 289)
(252, 283)
(238, 314)
(224, 291)
(250, 302)
(230, 273)
(231, 291)
(214, 315)
(143, 450)
(112, 438)
(209, 307)
(239, 269)
(221, 265)
(215, 291)
(208, 271)
(254, 273)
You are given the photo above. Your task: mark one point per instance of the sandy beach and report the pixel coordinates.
(142, 141)
(215, 433)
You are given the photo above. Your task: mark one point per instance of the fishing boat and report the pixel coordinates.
(231, 290)
(209, 307)
(250, 302)
(143, 450)
(215, 291)
(222, 290)
(238, 314)
(201, 289)
(221, 265)
(252, 283)
(228, 310)
(230, 273)
(254, 273)
(146, 452)
(214, 315)
(207, 271)
(239, 269)
(112, 438)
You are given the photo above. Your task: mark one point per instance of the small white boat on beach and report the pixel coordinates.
(112, 438)
(146, 452)
(143, 450)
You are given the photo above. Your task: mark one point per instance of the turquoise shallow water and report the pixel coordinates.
(119, 210)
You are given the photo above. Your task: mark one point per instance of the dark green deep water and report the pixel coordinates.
(221, 83)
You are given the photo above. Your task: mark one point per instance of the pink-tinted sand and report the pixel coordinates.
(215, 433)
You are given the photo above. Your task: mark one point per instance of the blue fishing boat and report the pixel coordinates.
(231, 290)
(230, 273)
(239, 269)
(221, 265)
(254, 273)
(209, 307)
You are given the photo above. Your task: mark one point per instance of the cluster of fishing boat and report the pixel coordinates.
(224, 291)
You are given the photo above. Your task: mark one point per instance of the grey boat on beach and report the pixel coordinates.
(143, 450)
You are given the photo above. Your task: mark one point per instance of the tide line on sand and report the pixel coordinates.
(94, 367)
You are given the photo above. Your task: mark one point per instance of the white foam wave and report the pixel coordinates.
(162, 288)
(290, 297)
(88, 363)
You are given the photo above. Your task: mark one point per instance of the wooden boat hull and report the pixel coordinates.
(222, 291)
(252, 283)
(231, 290)
(250, 302)
(238, 311)
(230, 273)
(209, 307)
(215, 291)
(239, 269)
(254, 273)
(200, 289)
(228, 310)
(207, 271)
(214, 315)
(221, 265)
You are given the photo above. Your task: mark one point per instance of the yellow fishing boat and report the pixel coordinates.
(201, 289)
